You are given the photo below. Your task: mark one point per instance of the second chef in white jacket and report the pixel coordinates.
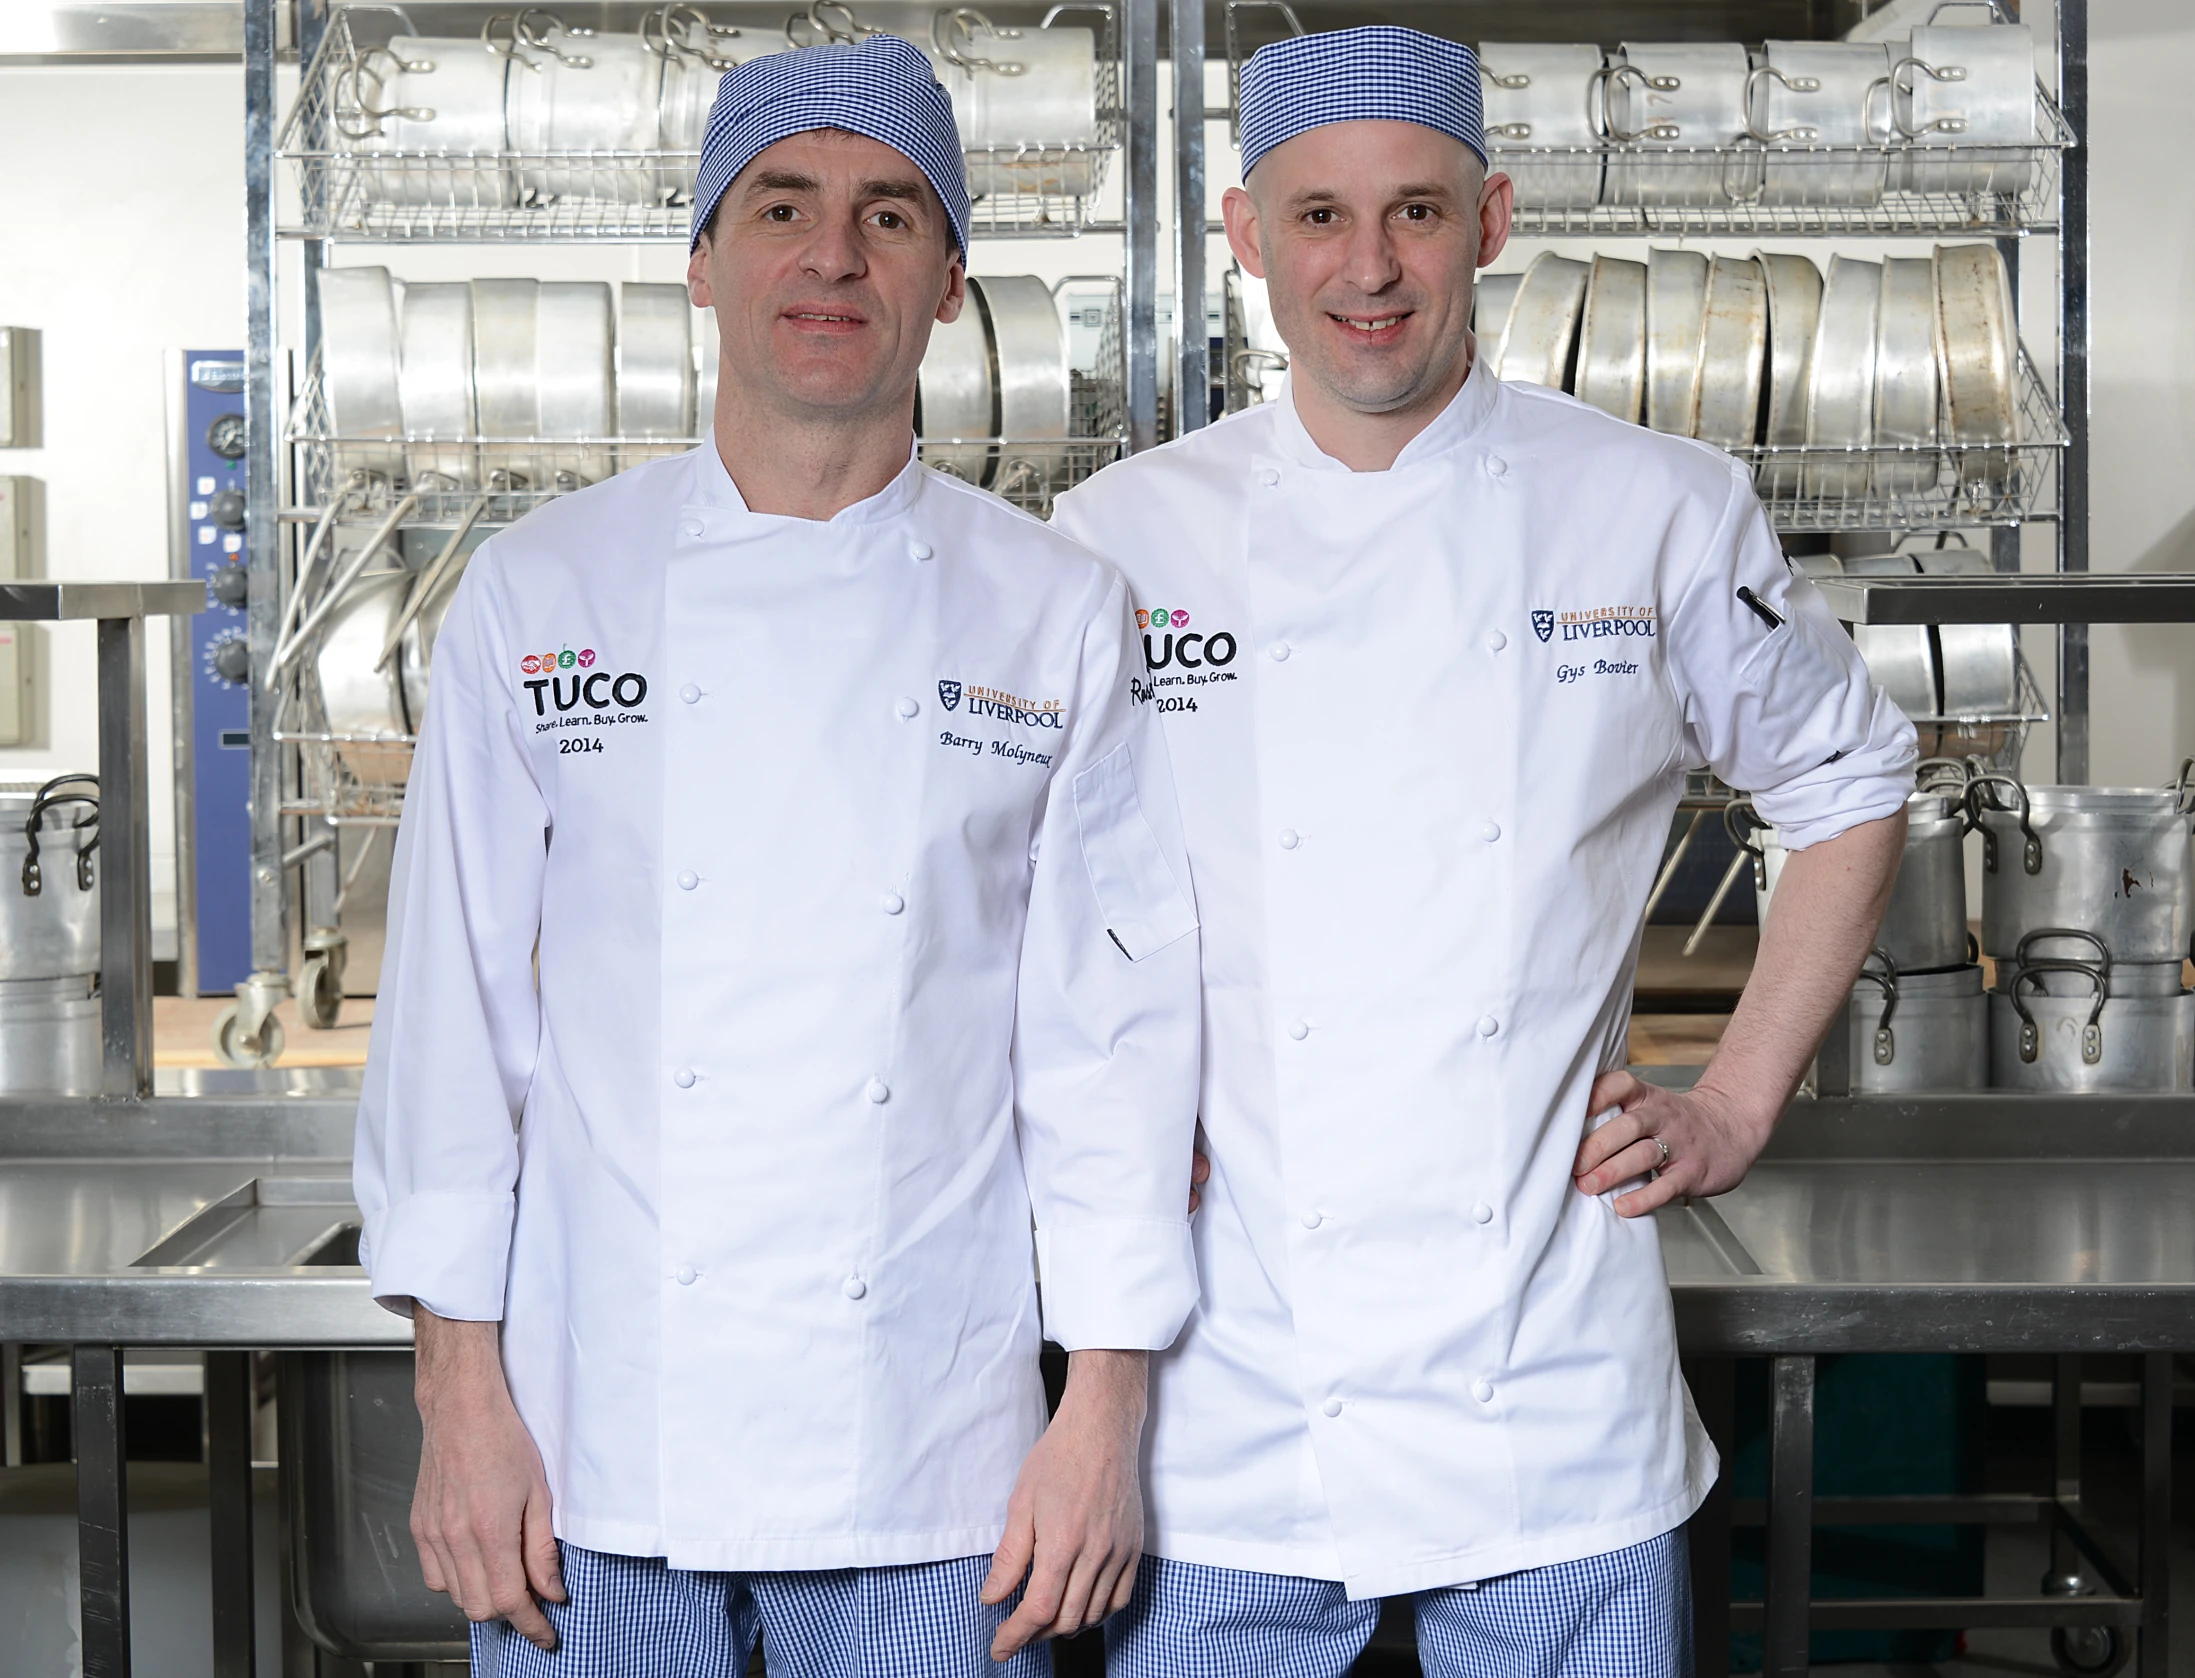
(790, 908)
(1434, 654)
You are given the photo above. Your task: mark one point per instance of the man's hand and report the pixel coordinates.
(1821, 924)
(1713, 1142)
(480, 1514)
(1074, 1526)
(1200, 1173)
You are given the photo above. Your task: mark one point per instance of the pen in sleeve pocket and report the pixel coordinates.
(1760, 608)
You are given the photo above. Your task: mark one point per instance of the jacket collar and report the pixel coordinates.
(710, 485)
(1464, 417)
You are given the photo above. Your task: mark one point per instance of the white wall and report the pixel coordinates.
(2144, 336)
(121, 235)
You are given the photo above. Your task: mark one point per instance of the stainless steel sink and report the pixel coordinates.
(268, 1223)
(350, 1456)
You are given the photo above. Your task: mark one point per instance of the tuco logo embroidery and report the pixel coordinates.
(948, 694)
(1543, 625)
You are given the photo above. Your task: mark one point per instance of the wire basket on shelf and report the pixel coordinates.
(495, 481)
(353, 184)
(1796, 185)
(1918, 486)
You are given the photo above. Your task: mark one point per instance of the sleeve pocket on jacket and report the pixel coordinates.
(1137, 893)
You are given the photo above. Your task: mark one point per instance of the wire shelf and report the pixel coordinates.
(1918, 486)
(1782, 188)
(349, 192)
(329, 790)
(1792, 190)
(495, 481)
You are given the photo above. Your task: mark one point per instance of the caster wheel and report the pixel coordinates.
(228, 1041)
(2090, 1651)
(319, 993)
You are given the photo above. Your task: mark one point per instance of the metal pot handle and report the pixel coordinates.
(853, 30)
(2092, 1034)
(2183, 787)
(963, 20)
(1949, 777)
(530, 27)
(2103, 951)
(51, 796)
(1603, 119)
(1735, 815)
(1886, 1042)
(1903, 123)
(668, 32)
(1759, 75)
(2031, 853)
(359, 120)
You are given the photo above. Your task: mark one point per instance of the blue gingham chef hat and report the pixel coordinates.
(880, 86)
(1375, 73)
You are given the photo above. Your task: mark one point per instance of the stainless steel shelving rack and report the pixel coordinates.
(290, 476)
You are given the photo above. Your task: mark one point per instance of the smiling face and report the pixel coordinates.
(827, 262)
(1367, 235)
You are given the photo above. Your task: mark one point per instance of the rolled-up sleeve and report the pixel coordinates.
(457, 1019)
(1106, 1036)
(1783, 712)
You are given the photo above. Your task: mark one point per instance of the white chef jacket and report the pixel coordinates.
(1429, 727)
(864, 935)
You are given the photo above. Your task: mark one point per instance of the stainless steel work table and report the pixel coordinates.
(1955, 1224)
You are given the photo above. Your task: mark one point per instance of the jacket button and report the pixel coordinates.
(691, 527)
(1490, 831)
(1279, 651)
(907, 706)
(1481, 1213)
(1496, 640)
(687, 1275)
(1488, 1025)
(688, 880)
(891, 903)
(690, 693)
(1298, 1030)
(918, 550)
(1311, 1220)
(853, 1287)
(1483, 1391)
(1289, 839)
(878, 1091)
(1332, 1407)
(1496, 467)
(683, 1077)
(1268, 477)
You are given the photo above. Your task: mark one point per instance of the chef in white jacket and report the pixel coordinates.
(1433, 653)
(790, 910)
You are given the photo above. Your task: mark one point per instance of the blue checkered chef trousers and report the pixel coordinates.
(638, 1617)
(1626, 1614)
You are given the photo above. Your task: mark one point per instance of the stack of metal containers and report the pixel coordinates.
(49, 936)
(2086, 910)
(2088, 898)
